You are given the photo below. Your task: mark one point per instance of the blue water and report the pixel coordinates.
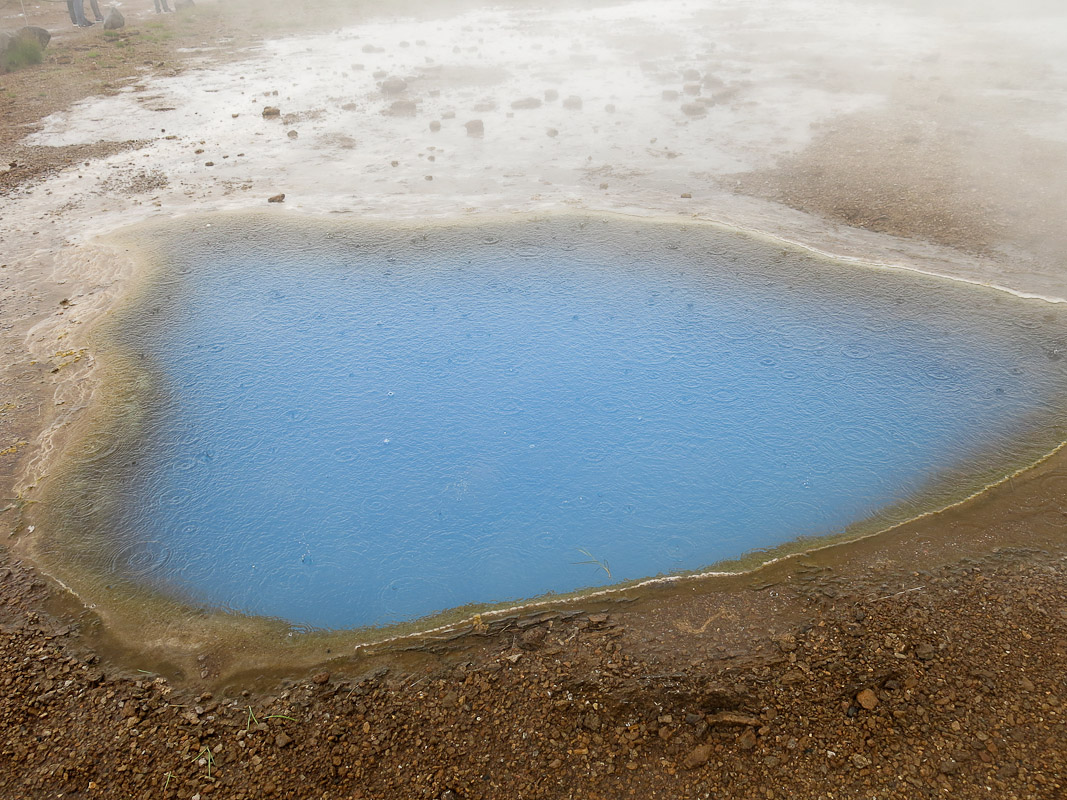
(345, 438)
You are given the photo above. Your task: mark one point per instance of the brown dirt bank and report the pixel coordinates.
(892, 668)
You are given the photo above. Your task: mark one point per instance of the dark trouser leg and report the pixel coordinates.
(96, 10)
(77, 13)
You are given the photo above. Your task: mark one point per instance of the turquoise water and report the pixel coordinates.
(366, 430)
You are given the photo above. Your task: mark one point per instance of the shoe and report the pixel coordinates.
(85, 24)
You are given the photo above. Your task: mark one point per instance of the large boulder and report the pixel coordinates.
(114, 20)
(41, 36)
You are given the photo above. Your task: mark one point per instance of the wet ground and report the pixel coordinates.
(887, 132)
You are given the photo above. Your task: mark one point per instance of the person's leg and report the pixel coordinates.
(156, 4)
(70, 10)
(165, 8)
(79, 15)
(96, 10)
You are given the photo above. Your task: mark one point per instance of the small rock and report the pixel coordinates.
(292, 134)
(867, 699)
(732, 718)
(435, 126)
(687, 196)
(747, 739)
(283, 740)
(924, 651)
(475, 128)
(691, 88)
(860, 761)
(394, 85)
(532, 638)
(526, 102)
(697, 757)
(320, 678)
(271, 111)
(1026, 684)
(793, 677)
(114, 20)
(949, 767)
(277, 198)
(552, 133)
(401, 108)
(551, 95)
(694, 109)
(691, 75)
(574, 103)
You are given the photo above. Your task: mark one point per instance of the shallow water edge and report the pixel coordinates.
(128, 611)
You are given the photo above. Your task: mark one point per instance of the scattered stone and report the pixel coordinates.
(394, 85)
(925, 651)
(271, 111)
(867, 699)
(691, 88)
(732, 718)
(349, 107)
(435, 126)
(533, 638)
(793, 677)
(691, 75)
(949, 767)
(484, 106)
(574, 103)
(747, 739)
(370, 48)
(448, 115)
(475, 128)
(552, 132)
(401, 108)
(694, 109)
(526, 103)
(1026, 684)
(276, 198)
(669, 94)
(687, 196)
(551, 95)
(697, 757)
(292, 134)
(114, 20)
(610, 108)
(283, 740)
(860, 761)
(320, 678)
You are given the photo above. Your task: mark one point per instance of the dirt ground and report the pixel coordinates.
(850, 673)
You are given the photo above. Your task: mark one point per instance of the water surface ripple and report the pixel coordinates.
(344, 435)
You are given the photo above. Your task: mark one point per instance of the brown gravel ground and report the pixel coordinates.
(871, 683)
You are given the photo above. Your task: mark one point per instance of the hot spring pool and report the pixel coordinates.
(347, 426)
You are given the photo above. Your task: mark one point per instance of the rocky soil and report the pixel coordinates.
(954, 689)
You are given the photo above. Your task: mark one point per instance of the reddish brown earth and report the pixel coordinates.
(864, 676)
